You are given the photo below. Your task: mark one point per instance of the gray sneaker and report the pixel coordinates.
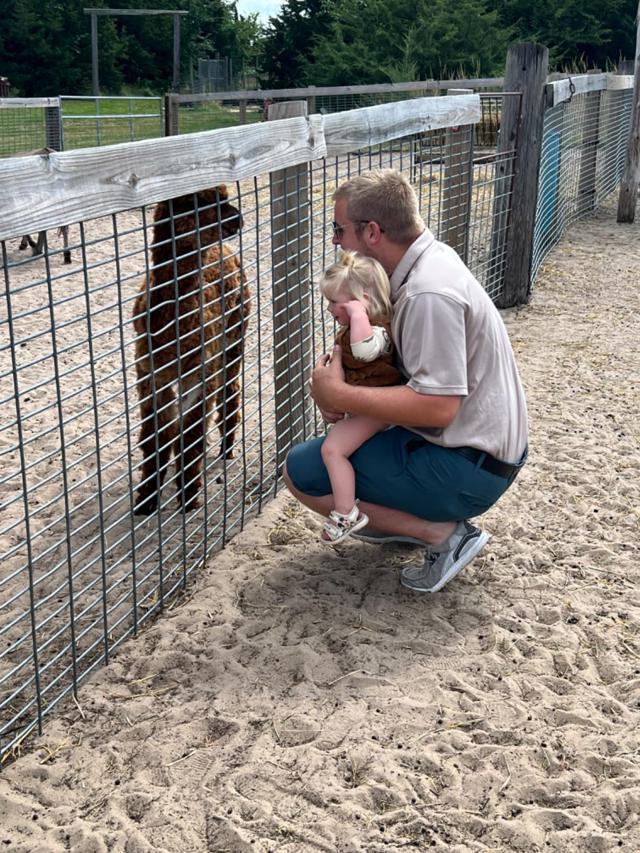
(375, 537)
(441, 566)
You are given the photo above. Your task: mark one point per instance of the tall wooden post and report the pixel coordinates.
(175, 83)
(631, 178)
(171, 126)
(290, 265)
(95, 83)
(526, 72)
(458, 181)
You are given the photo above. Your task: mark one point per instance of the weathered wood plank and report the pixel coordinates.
(307, 92)
(314, 91)
(101, 11)
(12, 103)
(619, 81)
(526, 71)
(355, 129)
(562, 90)
(40, 192)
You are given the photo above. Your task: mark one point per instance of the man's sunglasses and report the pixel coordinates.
(338, 230)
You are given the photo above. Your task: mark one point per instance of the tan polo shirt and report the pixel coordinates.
(451, 340)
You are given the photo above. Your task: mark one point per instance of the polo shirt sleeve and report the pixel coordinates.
(432, 345)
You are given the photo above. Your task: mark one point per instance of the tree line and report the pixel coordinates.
(45, 49)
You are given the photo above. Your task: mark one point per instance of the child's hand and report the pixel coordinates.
(355, 308)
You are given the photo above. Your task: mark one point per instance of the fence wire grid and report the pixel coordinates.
(582, 160)
(118, 369)
(29, 128)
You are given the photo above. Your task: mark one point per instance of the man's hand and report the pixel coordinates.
(326, 381)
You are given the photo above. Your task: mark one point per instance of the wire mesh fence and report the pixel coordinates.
(582, 160)
(179, 334)
(151, 388)
(226, 109)
(29, 124)
(89, 121)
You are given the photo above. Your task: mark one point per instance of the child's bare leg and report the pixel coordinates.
(345, 438)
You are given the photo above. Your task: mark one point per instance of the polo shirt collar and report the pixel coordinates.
(408, 260)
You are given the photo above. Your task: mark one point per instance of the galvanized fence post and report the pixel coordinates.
(53, 127)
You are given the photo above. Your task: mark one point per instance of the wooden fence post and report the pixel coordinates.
(311, 103)
(171, 126)
(526, 72)
(290, 265)
(631, 178)
(458, 182)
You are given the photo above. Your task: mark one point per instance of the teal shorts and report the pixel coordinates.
(399, 469)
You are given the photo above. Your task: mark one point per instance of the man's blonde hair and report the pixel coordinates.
(384, 196)
(352, 276)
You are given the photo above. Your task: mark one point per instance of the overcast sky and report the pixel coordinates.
(264, 8)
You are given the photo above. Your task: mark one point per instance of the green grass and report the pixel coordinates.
(212, 116)
(23, 129)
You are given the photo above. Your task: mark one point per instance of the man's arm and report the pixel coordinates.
(398, 404)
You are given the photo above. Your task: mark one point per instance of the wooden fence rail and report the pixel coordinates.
(65, 187)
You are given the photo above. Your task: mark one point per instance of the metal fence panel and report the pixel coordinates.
(89, 121)
(118, 369)
(582, 160)
(28, 124)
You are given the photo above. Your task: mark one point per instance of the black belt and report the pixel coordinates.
(490, 464)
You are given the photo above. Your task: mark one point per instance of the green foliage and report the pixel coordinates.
(45, 48)
(594, 33)
(289, 39)
(343, 42)
(430, 38)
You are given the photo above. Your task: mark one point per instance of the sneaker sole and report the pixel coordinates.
(473, 552)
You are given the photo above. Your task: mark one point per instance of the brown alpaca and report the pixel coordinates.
(190, 317)
(37, 246)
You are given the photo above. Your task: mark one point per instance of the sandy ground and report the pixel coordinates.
(299, 699)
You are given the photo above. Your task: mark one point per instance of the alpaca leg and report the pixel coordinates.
(228, 384)
(64, 233)
(190, 448)
(156, 444)
(37, 247)
(228, 408)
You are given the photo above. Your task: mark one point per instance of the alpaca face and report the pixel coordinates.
(214, 208)
(217, 217)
